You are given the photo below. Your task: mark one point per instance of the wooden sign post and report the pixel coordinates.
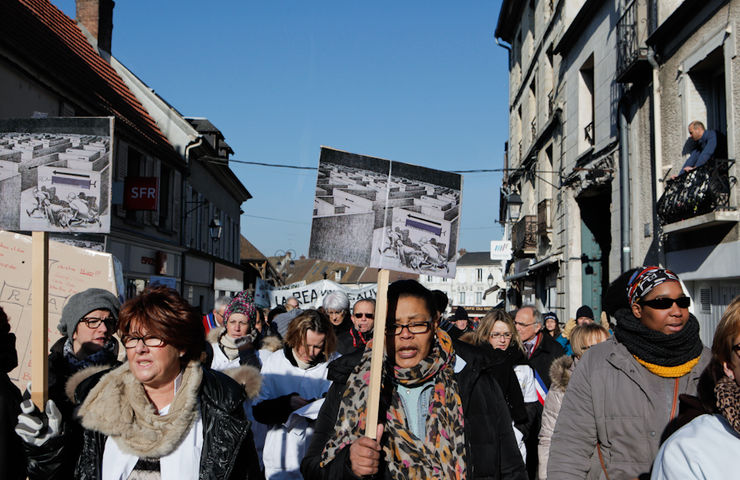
(40, 323)
(376, 359)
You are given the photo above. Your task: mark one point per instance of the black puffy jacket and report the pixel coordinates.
(228, 446)
(491, 448)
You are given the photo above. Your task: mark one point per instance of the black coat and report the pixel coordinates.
(546, 352)
(228, 447)
(12, 459)
(63, 461)
(492, 452)
(351, 341)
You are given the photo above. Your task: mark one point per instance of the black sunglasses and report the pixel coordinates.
(369, 316)
(666, 303)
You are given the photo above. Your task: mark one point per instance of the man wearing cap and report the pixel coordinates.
(584, 315)
(87, 324)
(460, 323)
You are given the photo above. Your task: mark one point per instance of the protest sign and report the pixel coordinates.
(71, 270)
(55, 174)
(385, 214)
(308, 296)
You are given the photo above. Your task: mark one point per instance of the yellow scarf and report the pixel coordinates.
(669, 372)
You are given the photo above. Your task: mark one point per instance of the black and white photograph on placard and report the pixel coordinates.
(55, 174)
(385, 214)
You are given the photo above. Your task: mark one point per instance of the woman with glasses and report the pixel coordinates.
(709, 445)
(582, 338)
(625, 391)
(442, 412)
(87, 324)
(162, 414)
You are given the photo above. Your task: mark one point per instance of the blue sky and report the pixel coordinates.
(420, 82)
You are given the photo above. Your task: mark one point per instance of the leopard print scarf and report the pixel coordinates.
(442, 453)
(728, 401)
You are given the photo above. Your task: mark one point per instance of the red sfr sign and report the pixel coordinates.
(140, 193)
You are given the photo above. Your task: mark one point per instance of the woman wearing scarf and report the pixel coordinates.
(442, 415)
(160, 415)
(710, 443)
(239, 342)
(625, 391)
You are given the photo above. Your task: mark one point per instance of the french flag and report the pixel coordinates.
(539, 385)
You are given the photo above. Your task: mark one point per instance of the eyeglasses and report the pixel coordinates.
(499, 335)
(666, 303)
(416, 328)
(369, 316)
(150, 341)
(94, 322)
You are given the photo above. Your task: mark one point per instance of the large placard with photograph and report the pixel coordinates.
(385, 214)
(55, 174)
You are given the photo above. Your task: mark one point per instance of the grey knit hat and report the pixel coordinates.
(80, 304)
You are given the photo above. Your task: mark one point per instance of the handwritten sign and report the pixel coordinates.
(71, 270)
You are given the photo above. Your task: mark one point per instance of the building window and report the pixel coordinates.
(478, 274)
(462, 298)
(586, 125)
(478, 298)
(429, 278)
(133, 169)
(165, 188)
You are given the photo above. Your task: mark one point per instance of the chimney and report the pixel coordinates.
(97, 17)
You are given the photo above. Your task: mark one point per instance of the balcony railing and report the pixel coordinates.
(588, 132)
(524, 235)
(534, 129)
(550, 103)
(703, 190)
(632, 62)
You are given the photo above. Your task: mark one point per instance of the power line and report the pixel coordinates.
(275, 219)
(298, 167)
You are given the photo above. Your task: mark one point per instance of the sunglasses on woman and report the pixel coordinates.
(666, 303)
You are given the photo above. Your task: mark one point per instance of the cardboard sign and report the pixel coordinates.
(382, 214)
(71, 270)
(55, 174)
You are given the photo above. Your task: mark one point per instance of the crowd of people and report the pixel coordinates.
(152, 389)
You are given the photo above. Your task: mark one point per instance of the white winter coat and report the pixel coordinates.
(705, 448)
(285, 445)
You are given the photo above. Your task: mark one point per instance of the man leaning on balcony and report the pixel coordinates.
(705, 146)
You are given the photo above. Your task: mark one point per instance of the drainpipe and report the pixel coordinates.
(624, 185)
(658, 145)
(183, 209)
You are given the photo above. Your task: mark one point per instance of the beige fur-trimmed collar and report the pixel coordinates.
(248, 377)
(214, 334)
(78, 377)
(119, 407)
(271, 343)
(560, 372)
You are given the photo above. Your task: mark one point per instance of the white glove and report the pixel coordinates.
(31, 426)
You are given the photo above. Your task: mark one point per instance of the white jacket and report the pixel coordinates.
(705, 448)
(285, 445)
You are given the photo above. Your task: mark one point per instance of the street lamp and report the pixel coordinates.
(514, 201)
(490, 280)
(290, 253)
(215, 229)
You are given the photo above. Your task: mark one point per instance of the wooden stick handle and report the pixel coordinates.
(40, 322)
(376, 360)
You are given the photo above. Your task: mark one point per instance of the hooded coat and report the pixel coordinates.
(614, 403)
